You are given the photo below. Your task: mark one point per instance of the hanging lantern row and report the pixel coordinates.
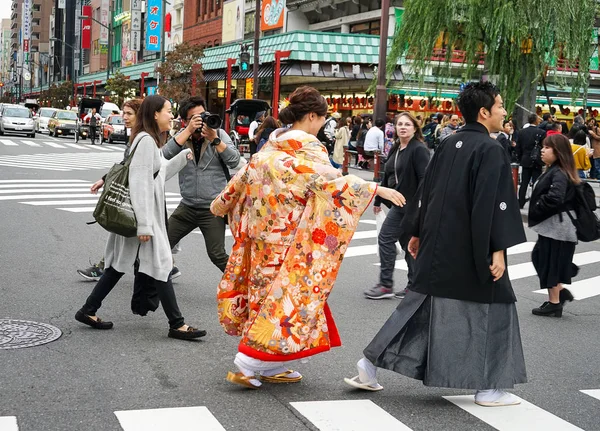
(567, 111)
(400, 102)
(345, 103)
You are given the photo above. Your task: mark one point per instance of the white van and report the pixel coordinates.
(107, 109)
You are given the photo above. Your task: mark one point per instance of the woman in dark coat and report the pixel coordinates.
(552, 197)
(403, 171)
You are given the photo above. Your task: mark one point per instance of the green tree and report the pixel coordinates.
(178, 71)
(121, 87)
(58, 96)
(517, 41)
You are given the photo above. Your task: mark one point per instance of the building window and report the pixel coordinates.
(370, 27)
(198, 10)
(212, 5)
(249, 25)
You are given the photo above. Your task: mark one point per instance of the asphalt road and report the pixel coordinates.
(99, 380)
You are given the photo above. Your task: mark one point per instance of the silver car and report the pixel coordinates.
(41, 119)
(17, 119)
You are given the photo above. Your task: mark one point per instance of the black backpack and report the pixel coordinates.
(586, 223)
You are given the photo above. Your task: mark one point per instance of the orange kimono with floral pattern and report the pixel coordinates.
(292, 216)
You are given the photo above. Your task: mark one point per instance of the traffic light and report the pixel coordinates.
(244, 61)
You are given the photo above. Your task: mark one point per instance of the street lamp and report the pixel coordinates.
(110, 34)
(75, 51)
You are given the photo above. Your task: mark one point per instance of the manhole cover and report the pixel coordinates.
(17, 334)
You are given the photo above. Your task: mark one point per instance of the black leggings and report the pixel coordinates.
(111, 277)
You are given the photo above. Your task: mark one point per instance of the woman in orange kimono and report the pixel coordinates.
(292, 216)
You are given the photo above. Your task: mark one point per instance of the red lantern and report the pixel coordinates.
(328, 100)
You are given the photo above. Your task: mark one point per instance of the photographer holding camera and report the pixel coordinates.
(203, 178)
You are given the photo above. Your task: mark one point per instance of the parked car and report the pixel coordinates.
(17, 119)
(63, 122)
(42, 118)
(113, 129)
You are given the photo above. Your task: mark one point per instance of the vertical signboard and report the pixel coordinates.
(136, 25)
(62, 4)
(104, 18)
(153, 25)
(86, 28)
(26, 24)
(272, 14)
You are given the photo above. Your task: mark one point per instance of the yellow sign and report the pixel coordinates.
(249, 88)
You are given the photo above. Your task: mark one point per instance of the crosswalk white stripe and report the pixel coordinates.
(76, 202)
(102, 149)
(20, 186)
(8, 423)
(364, 234)
(31, 143)
(81, 147)
(373, 222)
(522, 417)
(49, 196)
(54, 144)
(581, 289)
(592, 393)
(178, 418)
(30, 166)
(42, 181)
(348, 415)
(8, 143)
(524, 270)
(61, 189)
(91, 209)
(361, 250)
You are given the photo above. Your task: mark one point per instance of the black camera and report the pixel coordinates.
(212, 121)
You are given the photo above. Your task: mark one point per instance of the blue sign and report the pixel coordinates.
(154, 25)
(150, 91)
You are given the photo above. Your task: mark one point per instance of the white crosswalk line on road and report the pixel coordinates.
(31, 143)
(54, 144)
(522, 417)
(50, 196)
(348, 415)
(44, 186)
(592, 393)
(523, 270)
(80, 147)
(581, 289)
(41, 181)
(54, 190)
(8, 143)
(91, 209)
(74, 161)
(179, 418)
(102, 149)
(8, 423)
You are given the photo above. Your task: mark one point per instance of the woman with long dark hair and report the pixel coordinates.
(292, 216)
(264, 130)
(403, 171)
(552, 197)
(148, 172)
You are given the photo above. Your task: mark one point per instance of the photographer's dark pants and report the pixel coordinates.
(93, 134)
(390, 233)
(185, 219)
(111, 277)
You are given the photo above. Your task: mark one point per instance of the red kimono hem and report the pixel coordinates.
(334, 341)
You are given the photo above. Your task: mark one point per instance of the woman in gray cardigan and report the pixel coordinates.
(148, 172)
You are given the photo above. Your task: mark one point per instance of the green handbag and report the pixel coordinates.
(114, 211)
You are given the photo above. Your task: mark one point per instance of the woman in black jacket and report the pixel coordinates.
(403, 171)
(551, 198)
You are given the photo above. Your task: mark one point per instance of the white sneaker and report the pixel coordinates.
(496, 398)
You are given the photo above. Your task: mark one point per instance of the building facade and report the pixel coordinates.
(5, 51)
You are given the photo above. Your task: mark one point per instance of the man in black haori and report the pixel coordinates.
(457, 327)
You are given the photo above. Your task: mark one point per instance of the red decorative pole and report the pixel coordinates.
(276, 80)
(96, 81)
(230, 63)
(142, 76)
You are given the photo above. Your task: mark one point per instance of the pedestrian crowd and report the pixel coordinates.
(292, 214)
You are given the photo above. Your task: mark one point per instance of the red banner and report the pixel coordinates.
(86, 28)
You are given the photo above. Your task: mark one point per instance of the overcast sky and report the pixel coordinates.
(5, 9)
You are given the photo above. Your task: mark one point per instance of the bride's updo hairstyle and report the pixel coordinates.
(303, 100)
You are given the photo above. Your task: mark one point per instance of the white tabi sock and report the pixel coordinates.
(367, 372)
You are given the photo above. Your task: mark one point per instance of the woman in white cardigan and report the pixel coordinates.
(148, 172)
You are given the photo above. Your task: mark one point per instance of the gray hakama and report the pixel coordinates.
(451, 343)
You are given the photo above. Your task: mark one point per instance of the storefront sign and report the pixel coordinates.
(249, 88)
(150, 91)
(233, 21)
(86, 28)
(136, 20)
(122, 17)
(104, 10)
(61, 4)
(272, 14)
(136, 5)
(154, 25)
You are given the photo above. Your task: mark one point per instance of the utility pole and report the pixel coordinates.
(380, 90)
(256, 56)
(162, 38)
(109, 54)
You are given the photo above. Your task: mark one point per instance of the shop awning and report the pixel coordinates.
(306, 46)
(264, 71)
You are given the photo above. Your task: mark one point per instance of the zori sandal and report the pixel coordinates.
(242, 380)
(369, 386)
(281, 378)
